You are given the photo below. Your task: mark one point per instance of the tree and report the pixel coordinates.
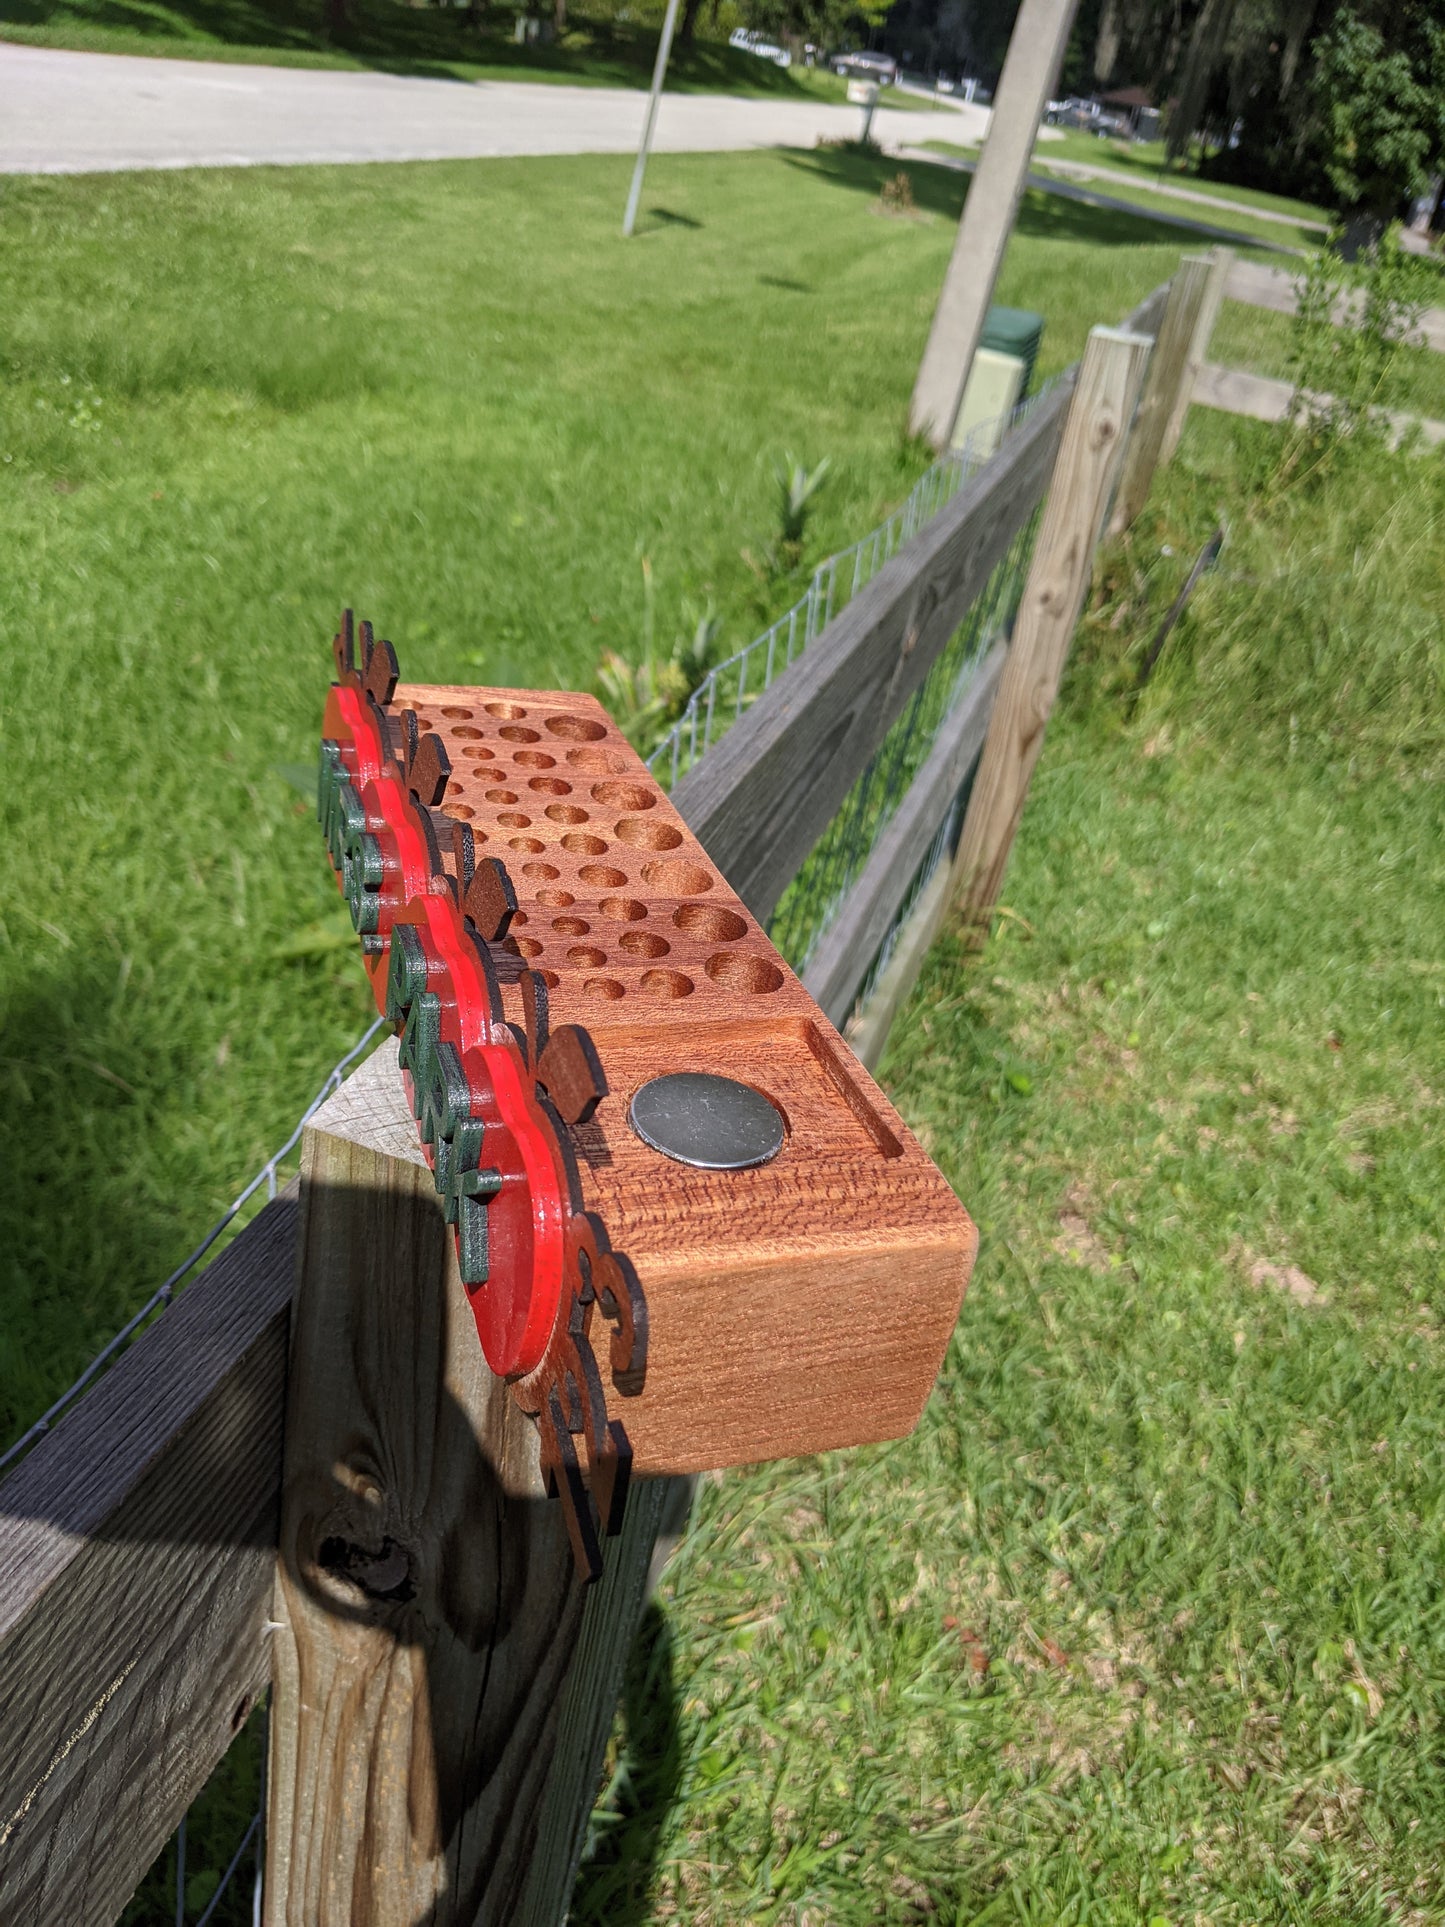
(687, 25)
(827, 23)
(1381, 121)
(1206, 44)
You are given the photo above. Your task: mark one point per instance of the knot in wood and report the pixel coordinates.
(383, 1573)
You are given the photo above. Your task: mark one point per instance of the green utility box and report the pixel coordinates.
(1016, 332)
(1001, 376)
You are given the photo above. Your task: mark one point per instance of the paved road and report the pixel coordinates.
(76, 113)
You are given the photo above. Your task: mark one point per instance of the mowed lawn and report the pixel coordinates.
(1145, 1622)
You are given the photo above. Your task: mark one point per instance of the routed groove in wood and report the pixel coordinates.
(137, 1552)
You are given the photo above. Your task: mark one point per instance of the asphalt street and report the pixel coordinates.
(75, 113)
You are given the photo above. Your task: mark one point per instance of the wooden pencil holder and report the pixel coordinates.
(774, 1263)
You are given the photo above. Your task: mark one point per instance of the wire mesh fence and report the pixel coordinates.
(729, 688)
(161, 1299)
(180, 1891)
(813, 898)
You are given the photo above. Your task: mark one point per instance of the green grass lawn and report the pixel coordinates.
(1145, 1622)
(394, 37)
(1259, 339)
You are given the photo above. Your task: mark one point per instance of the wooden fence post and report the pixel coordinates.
(1167, 379)
(1053, 598)
(1222, 260)
(443, 1684)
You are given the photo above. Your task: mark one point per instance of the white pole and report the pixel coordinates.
(664, 48)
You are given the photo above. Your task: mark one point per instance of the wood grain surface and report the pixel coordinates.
(1221, 260)
(1059, 576)
(639, 937)
(588, 1701)
(425, 1584)
(136, 1561)
(443, 1685)
(1166, 379)
(868, 1032)
(764, 794)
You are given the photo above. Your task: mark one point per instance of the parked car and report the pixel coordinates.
(880, 67)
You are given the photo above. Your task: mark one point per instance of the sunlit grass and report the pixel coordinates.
(1140, 193)
(1146, 159)
(453, 396)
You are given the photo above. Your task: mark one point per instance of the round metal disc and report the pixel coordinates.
(712, 1122)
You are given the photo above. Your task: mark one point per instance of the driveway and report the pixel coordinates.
(77, 113)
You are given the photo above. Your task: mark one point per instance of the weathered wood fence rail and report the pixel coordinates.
(138, 1541)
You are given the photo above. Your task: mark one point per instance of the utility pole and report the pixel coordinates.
(1030, 71)
(664, 48)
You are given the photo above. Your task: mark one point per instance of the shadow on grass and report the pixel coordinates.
(80, 1243)
(614, 1882)
(1042, 215)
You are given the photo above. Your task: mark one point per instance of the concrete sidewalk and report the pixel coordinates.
(1170, 190)
(73, 113)
(1071, 191)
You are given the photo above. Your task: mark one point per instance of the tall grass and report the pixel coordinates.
(1323, 625)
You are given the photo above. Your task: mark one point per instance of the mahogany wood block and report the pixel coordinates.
(793, 1307)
